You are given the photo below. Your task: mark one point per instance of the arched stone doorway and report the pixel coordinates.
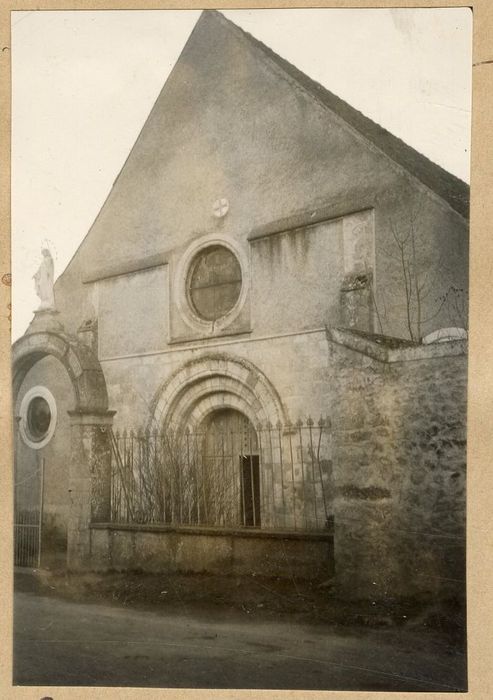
(213, 382)
(223, 400)
(61, 419)
(230, 456)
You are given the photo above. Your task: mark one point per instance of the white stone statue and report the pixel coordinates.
(43, 281)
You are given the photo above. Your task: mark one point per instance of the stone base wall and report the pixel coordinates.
(189, 549)
(399, 431)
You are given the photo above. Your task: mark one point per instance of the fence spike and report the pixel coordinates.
(268, 425)
(260, 426)
(309, 421)
(117, 434)
(321, 422)
(124, 434)
(279, 425)
(299, 423)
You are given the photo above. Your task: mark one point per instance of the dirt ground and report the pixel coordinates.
(268, 599)
(202, 631)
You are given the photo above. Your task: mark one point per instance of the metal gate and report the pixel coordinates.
(28, 517)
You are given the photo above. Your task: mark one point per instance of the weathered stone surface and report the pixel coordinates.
(161, 548)
(89, 482)
(80, 363)
(399, 474)
(368, 493)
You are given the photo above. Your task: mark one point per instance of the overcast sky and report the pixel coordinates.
(84, 83)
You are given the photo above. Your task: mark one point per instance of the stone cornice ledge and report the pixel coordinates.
(314, 535)
(310, 217)
(388, 349)
(127, 268)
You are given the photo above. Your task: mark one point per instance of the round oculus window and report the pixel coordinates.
(214, 282)
(38, 418)
(38, 414)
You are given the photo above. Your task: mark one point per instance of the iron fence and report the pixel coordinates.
(276, 477)
(27, 530)
(28, 515)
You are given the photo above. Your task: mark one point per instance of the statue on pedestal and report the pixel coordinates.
(43, 282)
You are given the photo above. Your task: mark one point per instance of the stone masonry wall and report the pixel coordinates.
(399, 467)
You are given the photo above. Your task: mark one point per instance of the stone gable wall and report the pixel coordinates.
(400, 471)
(215, 132)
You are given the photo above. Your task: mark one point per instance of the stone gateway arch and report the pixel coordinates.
(61, 443)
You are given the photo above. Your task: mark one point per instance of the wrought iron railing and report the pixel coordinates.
(28, 516)
(27, 531)
(275, 477)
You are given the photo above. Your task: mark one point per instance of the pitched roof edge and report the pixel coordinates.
(317, 91)
(135, 142)
(451, 189)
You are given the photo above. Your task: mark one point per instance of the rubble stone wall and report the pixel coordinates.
(399, 467)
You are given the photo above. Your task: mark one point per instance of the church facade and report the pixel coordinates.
(256, 216)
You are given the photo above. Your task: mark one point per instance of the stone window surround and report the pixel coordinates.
(180, 282)
(34, 392)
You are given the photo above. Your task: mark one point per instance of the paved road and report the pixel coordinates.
(64, 643)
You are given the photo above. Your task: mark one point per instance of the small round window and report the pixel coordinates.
(214, 282)
(38, 416)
